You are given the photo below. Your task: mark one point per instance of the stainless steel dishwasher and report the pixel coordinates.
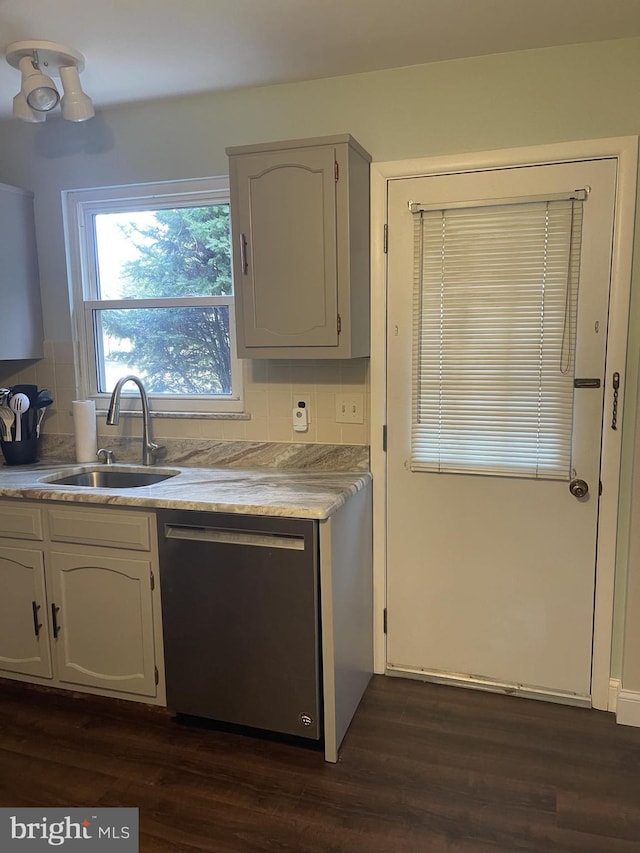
(240, 619)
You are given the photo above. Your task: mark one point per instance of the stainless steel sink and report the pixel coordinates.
(110, 478)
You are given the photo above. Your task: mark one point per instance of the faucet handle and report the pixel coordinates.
(154, 450)
(108, 456)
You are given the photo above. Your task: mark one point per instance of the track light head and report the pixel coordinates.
(76, 106)
(38, 94)
(38, 89)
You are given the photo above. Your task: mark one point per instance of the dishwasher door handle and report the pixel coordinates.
(234, 537)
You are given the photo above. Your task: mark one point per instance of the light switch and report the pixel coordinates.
(350, 408)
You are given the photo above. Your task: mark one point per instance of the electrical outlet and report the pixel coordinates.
(350, 408)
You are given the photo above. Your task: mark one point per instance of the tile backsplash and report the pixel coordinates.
(270, 390)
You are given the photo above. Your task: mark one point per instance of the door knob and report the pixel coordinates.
(579, 488)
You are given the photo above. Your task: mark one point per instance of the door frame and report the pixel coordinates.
(625, 150)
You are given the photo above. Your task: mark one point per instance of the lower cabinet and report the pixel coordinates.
(81, 615)
(80, 607)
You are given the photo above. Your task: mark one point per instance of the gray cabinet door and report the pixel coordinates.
(19, 280)
(286, 269)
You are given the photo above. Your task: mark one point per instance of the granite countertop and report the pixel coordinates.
(250, 491)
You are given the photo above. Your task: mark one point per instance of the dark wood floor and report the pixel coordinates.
(424, 768)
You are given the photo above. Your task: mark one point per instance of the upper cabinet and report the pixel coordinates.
(300, 226)
(22, 336)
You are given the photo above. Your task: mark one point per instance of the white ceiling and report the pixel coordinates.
(138, 49)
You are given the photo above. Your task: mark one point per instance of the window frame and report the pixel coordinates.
(79, 210)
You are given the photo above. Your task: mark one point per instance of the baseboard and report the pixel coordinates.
(615, 686)
(628, 708)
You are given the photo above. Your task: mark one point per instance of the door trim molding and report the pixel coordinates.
(615, 686)
(625, 150)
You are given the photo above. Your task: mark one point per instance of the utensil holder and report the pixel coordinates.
(20, 452)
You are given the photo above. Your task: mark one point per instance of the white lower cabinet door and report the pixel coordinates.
(102, 621)
(24, 632)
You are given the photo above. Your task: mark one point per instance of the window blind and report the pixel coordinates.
(495, 304)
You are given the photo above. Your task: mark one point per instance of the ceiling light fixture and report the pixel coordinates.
(38, 94)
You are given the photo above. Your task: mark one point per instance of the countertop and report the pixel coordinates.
(250, 491)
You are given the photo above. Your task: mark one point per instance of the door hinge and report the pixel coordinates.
(153, 581)
(385, 240)
(339, 324)
(600, 487)
(384, 438)
(336, 171)
(156, 675)
(384, 620)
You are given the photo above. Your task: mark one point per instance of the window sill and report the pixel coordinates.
(213, 416)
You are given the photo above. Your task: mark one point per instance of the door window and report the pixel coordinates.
(495, 299)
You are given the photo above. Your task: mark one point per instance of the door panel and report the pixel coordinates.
(24, 633)
(287, 215)
(104, 621)
(491, 578)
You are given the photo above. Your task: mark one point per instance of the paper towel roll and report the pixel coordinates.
(84, 426)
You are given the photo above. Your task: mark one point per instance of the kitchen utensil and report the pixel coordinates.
(39, 421)
(28, 423)
(41, 410)
(43, 400)
(19, 404)
(30, 390)
(7, 418)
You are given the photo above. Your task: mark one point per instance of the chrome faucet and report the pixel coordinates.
(149, 448)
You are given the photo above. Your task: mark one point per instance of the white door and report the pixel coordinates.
(490, 579)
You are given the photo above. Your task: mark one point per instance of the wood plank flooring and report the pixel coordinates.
(424, 769)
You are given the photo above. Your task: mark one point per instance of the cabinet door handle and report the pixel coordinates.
(36, 625)
(244, 263)
(234, 537)
(54, 620)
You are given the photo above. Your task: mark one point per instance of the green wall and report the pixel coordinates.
(524, 98)
(507, 100)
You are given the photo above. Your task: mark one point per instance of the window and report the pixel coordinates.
(494, 337)
(152, 292)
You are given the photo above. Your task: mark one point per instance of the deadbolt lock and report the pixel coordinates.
(579, 488)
